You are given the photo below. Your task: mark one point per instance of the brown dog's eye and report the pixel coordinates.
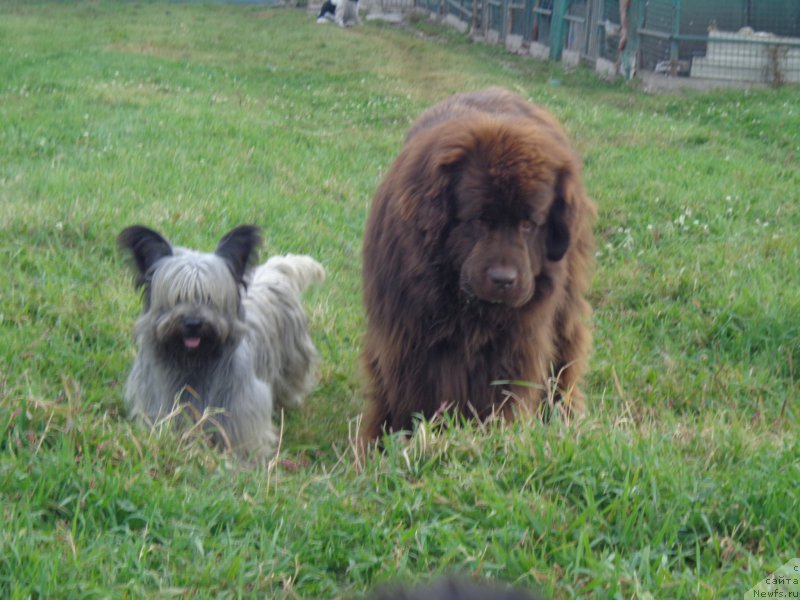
(526, 226)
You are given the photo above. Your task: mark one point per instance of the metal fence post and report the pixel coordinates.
(527, 22)
(673, 43)
(628, 57)
(558, 28)
(505, 12)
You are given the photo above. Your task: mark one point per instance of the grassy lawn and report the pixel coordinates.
(683, 481)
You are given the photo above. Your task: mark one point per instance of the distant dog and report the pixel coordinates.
(342, 12)
(477, 253)
(327, 12)
(213, 335)
(347, 13)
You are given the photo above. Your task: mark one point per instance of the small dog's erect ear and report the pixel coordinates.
(238, 247)
(558, 235)
(146, 247)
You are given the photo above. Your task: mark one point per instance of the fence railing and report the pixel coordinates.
(736, 40)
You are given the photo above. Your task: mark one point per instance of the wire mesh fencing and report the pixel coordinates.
(735, 40)
(732, 40)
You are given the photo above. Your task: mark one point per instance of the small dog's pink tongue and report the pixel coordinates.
(191, 342)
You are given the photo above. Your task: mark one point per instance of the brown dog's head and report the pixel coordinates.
(501, 198)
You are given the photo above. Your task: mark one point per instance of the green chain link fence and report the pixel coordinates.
(733, 40)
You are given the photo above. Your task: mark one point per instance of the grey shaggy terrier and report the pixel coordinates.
(216, 335)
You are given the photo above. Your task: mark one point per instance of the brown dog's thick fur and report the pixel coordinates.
(477, 256)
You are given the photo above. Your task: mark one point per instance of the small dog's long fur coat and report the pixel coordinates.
(213, 335)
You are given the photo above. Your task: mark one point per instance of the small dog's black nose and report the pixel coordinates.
(192, 325)
(502, 277)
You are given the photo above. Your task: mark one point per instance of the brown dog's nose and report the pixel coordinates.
(502, 277)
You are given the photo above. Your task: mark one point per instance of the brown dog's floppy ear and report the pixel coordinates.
(237, 248)
(146, 248)
(571, 213)
(430, 160)
(570, 208)
(557, 236)
(560, 217)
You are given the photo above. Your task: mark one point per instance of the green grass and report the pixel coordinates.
(193, 119)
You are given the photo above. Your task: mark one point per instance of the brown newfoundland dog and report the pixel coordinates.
(477, 255)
